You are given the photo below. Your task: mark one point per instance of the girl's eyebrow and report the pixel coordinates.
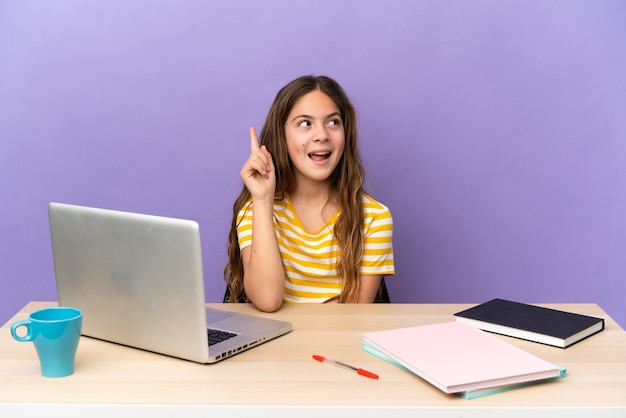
(305, 116)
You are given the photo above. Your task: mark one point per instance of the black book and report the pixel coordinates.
(530, 322)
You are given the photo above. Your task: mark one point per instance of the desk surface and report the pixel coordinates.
(280, 377)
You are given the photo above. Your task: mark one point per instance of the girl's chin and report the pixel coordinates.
(318, 177)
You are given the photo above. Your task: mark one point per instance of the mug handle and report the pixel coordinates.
(27, 337)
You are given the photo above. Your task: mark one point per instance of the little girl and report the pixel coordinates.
(303, 229)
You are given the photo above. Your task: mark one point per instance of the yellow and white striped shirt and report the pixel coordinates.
(310, 258)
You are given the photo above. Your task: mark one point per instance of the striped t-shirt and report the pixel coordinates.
(310, 258)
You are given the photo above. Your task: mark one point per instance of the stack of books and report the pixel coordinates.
(459, 358)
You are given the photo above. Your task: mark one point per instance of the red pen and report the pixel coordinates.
(358, 370)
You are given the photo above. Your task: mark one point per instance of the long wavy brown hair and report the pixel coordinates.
(346, 182)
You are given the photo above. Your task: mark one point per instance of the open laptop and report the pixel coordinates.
(138, 280)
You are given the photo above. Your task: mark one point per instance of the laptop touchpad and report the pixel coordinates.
(214, 316)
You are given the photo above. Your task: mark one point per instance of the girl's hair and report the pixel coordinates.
(346, 181)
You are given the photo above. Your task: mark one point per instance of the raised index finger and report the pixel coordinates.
(254, 141)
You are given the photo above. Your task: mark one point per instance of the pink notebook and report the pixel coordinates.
(456, 357)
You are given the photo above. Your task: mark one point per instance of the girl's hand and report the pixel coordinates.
(258, 172)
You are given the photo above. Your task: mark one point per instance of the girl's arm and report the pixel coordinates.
(369, 288)
(264, 274)
(378, 246)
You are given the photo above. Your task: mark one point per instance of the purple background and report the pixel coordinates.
(494, 130)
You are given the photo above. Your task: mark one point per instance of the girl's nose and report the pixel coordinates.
(321, 135)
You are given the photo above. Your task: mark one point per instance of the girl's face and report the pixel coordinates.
(315, 136)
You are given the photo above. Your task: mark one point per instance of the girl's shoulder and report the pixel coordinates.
(372, 205)
(281, 206)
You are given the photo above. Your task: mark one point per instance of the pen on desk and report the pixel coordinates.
(358, 370)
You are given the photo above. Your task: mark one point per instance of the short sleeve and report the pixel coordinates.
(244, 225)
(378, 245)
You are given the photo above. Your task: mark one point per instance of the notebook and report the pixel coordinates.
(531, 322)
(467, 394)
(456, 357)
(138, 280)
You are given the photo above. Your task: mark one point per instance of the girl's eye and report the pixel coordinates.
(335, 122)
(304, 123)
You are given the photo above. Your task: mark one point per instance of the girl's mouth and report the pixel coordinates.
(319, 156)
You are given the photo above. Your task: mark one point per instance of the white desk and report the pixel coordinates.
(280, 379)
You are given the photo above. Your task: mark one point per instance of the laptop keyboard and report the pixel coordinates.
(217, 336)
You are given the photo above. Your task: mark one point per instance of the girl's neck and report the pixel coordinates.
(314, 206)
(312, 192)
